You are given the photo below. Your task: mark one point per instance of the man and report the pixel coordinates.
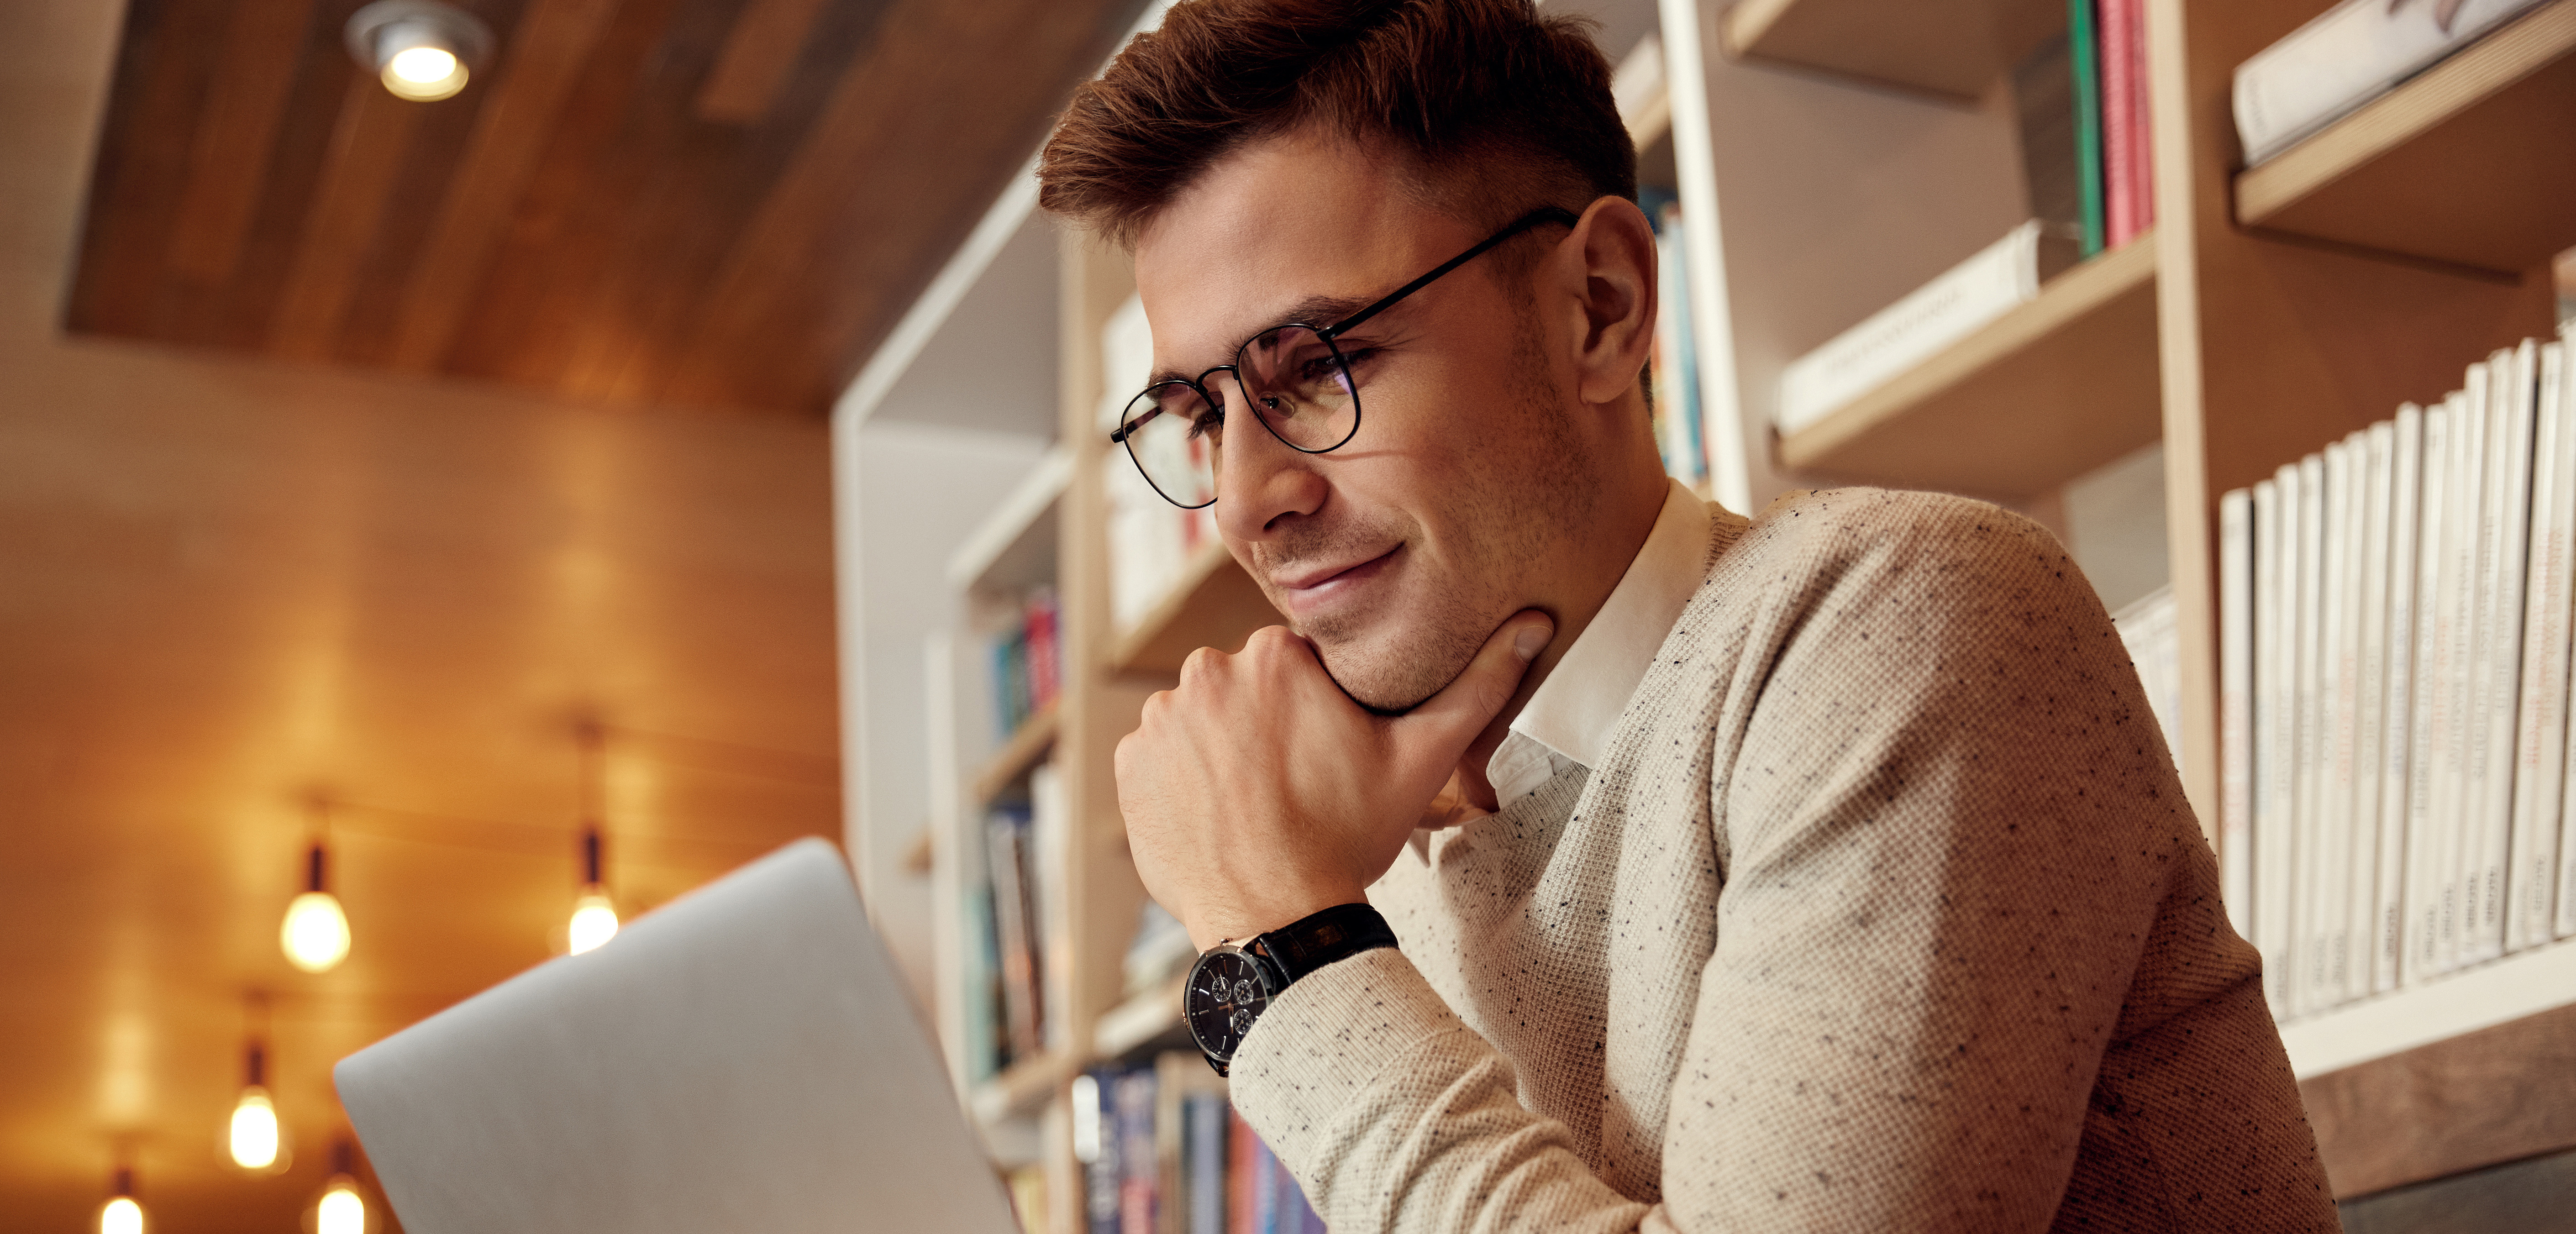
(1819, 871)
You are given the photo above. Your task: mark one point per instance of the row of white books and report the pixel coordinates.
(2393, 672)
(2350, 54)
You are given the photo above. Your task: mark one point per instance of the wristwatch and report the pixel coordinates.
(1230, 986)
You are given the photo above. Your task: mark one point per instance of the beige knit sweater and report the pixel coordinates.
(1882, 911)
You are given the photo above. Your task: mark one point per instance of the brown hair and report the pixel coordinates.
(1497, 107)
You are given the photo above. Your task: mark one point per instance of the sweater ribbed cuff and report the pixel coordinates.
(1329, 1038)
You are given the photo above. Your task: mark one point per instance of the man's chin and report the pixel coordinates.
(1388, 677)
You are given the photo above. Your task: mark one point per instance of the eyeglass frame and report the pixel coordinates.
(1330, 335)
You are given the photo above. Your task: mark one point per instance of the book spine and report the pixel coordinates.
(1101, 1173)
(2314, 721)
(2453, 814)
(2488, 648)
(2406, 465)
(2119, 131)
(2329, 871)
(2540, 768)
(2370, 594)
(1266, 1205)
(2431, 704)
(1139, 1166)
(2142, 145)
(2566, 881)
(2274, 731)
(2236, 708)
(2516, 380)
(1006, 833)
(2084, 49)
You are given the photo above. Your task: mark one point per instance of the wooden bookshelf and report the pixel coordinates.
(2472, 163)
(2262, 318)
(1214, 604)
(1140, 1021)
(1950, 47)
(2045, 393)
(1022, 1088)
(1028, 746)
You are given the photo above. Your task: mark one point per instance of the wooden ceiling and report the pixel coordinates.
(720, 203)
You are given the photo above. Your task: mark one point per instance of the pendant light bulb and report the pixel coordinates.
(341, 1210)
(315, 934)
(594, 920)
(254, 1130)
(121, 1215)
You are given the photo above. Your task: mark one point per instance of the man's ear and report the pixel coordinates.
(1617, 250)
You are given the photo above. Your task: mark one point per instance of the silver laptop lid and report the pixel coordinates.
(744, 1058)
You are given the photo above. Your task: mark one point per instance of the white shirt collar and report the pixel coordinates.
(1570, 716)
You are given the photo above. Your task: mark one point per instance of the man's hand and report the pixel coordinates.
(1257, 792)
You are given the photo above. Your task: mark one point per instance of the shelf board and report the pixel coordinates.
(1028, 745)
(1021, 1089)
(2041, 395)
(1213, 604)
(1014, 548)
(1949, 47)
(1139, 1020)
(2522, 984)
(2471, 163)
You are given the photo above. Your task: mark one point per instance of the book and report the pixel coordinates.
(2406, 466)
(1094, 1119)
(2308, 945)
(1674, 386)
(1028, 1189)
(2126, 209)
(2454, 812)
(2276, 505)
(1006, 852)
(1050, 828)
(2084, 48)
(1207, 1119)
(2236, 740)
(1139, 1163)
(2345, 57)
(2541, 734)
(2513, 380)
(2431, 702)
(2327, 864)
(2369, 595)
(2006, 274)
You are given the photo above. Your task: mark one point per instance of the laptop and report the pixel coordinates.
(743, 1058)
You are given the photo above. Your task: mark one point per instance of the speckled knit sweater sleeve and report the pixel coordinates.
(1883, 911)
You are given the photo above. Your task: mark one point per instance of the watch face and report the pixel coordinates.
(1226, 994)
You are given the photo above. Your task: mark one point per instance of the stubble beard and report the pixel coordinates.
(1527, 484)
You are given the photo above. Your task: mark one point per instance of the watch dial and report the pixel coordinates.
(1226, 994)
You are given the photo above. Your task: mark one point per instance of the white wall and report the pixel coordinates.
(905, 494)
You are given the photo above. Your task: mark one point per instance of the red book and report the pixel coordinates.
(1242, 1182)
(2118, 32)
(2142, 182)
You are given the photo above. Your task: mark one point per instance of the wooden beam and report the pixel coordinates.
(758, 55)
(367, 151)
(228, 163)
(543, 62)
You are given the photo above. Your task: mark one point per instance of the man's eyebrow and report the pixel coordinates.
(1321, 311)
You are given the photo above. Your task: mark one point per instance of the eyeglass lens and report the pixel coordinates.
(1294, 379)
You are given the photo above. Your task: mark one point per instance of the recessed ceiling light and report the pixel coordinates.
(422, 50)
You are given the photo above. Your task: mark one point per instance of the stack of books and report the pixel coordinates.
(1163, 1152)
(1025, 665)
(2393, 678)
(1010, 1012)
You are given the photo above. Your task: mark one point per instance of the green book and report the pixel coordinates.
(2084, 48)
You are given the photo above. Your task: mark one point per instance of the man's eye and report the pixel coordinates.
(1211, 424)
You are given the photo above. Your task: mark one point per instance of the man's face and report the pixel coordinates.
(1400, 552)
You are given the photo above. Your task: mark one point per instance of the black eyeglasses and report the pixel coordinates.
(1293, 377)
